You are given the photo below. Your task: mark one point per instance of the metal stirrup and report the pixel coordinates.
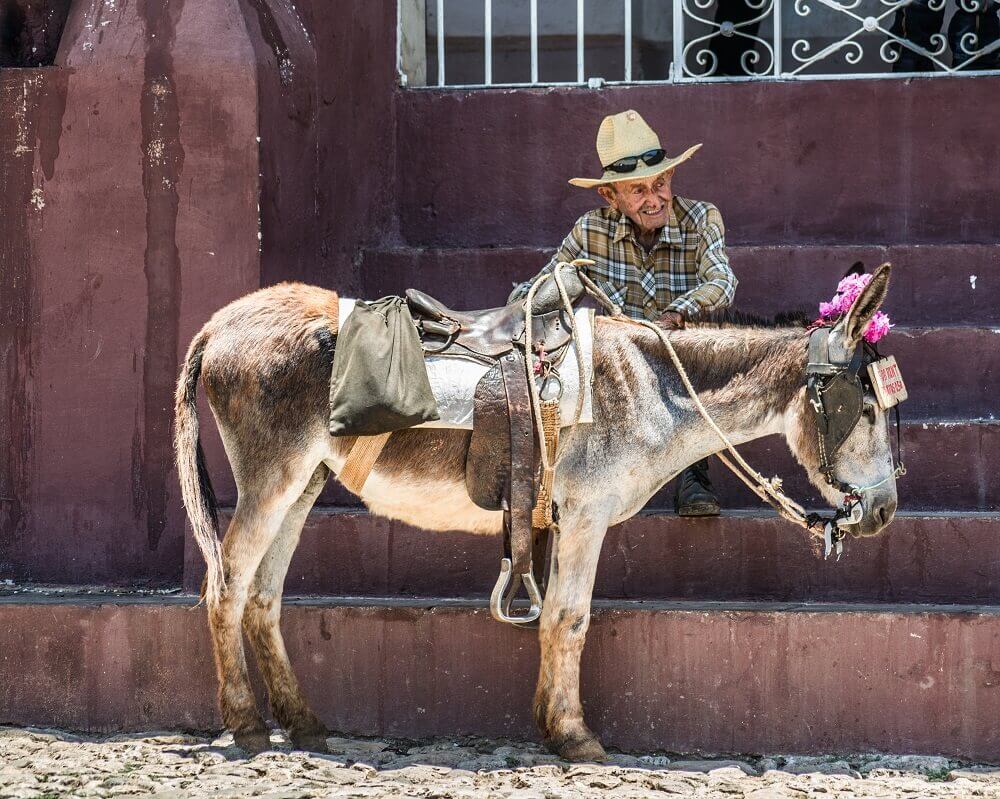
(500, 607)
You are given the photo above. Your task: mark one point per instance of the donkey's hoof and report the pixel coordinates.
(309, 741)
(253, 742)
(578, 750)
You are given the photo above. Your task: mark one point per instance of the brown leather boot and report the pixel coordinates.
(694, 495)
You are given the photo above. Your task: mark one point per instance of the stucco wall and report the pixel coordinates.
(132, 172)
(134, 168)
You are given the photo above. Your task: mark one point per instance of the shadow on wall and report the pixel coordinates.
(30, 31)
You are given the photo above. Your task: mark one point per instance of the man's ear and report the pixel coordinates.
(609, 195)
(853, 325)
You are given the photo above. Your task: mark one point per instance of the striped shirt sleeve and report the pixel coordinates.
(717, 286)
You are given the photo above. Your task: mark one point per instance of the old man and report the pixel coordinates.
(659, 256)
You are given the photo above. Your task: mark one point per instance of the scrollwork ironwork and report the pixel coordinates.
(708, 60)
(872, 28)
(887, 53)
(968, 44)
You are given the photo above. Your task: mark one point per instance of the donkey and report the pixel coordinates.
(265, 361)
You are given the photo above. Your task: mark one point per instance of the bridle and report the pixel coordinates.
(836, 392)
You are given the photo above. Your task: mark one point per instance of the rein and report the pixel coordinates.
(830, 527)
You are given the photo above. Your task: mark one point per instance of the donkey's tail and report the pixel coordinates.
(196, 487)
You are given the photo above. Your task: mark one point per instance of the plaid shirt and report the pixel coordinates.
(686, 271)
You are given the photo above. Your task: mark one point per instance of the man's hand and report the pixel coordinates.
(671, 320)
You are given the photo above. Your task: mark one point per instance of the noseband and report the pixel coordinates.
(836, 393)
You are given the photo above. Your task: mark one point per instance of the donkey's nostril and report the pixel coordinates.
(885, 513)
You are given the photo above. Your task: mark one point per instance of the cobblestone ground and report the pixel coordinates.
(44, 764)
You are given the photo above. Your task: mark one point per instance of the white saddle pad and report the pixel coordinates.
(453, 379)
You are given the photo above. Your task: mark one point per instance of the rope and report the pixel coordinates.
(547, 463)
(541, 514)
(768, 490)
(547, 413)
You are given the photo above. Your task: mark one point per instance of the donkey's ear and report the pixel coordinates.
(868, 302)
(857, 269)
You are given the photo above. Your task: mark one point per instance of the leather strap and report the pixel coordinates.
(488, 461)
(540, 555)
(361, 460)
(522, 449)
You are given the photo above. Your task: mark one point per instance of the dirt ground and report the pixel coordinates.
(44, 764)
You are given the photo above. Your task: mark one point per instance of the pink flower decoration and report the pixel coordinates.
(852, 284)
(848, 290)
(877, 328)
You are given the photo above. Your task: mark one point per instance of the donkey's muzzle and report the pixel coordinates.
(876, 519)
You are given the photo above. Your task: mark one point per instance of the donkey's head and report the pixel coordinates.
(841, 434)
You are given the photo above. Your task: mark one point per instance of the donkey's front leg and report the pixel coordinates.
(564, 623)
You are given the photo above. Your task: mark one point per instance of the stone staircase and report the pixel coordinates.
(731, 633)
(723, 634)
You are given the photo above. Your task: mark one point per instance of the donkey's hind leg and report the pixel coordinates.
(260, 511)
(261, 624)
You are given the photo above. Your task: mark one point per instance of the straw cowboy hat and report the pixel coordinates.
(627, 138)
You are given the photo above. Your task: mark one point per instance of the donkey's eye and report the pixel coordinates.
(871, 413)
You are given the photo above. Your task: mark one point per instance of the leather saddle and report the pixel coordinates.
(501, 469)
(489, 334)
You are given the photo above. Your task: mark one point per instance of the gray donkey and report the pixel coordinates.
(265, 362)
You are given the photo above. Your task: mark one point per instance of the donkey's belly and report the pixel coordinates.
(429, 504)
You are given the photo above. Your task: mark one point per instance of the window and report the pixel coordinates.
(553, 42)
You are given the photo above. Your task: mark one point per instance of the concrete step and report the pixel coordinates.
(744, 555)
(933, 284)
(952, 465)
(676, 676)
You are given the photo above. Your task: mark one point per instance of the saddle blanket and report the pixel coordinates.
(453, 379)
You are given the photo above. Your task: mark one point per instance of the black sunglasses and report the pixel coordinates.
(649, 158)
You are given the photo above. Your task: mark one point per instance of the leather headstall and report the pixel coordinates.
(837, 396)
(836, 392)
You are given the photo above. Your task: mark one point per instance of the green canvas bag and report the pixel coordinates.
(379, 381)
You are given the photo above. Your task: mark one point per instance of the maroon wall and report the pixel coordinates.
(134, 218)
(134, 168)
(355, 44)
(132, 172)
(863, 162)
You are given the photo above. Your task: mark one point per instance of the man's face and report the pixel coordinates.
(646, 202)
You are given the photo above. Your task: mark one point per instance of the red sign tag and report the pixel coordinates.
(887, 381)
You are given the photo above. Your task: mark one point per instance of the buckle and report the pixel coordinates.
(824, 369)
(501, 601)
(833, 540)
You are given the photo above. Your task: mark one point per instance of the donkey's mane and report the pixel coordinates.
(735, 318)
(751, 359)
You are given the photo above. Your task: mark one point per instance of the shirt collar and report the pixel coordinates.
(670, 233)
